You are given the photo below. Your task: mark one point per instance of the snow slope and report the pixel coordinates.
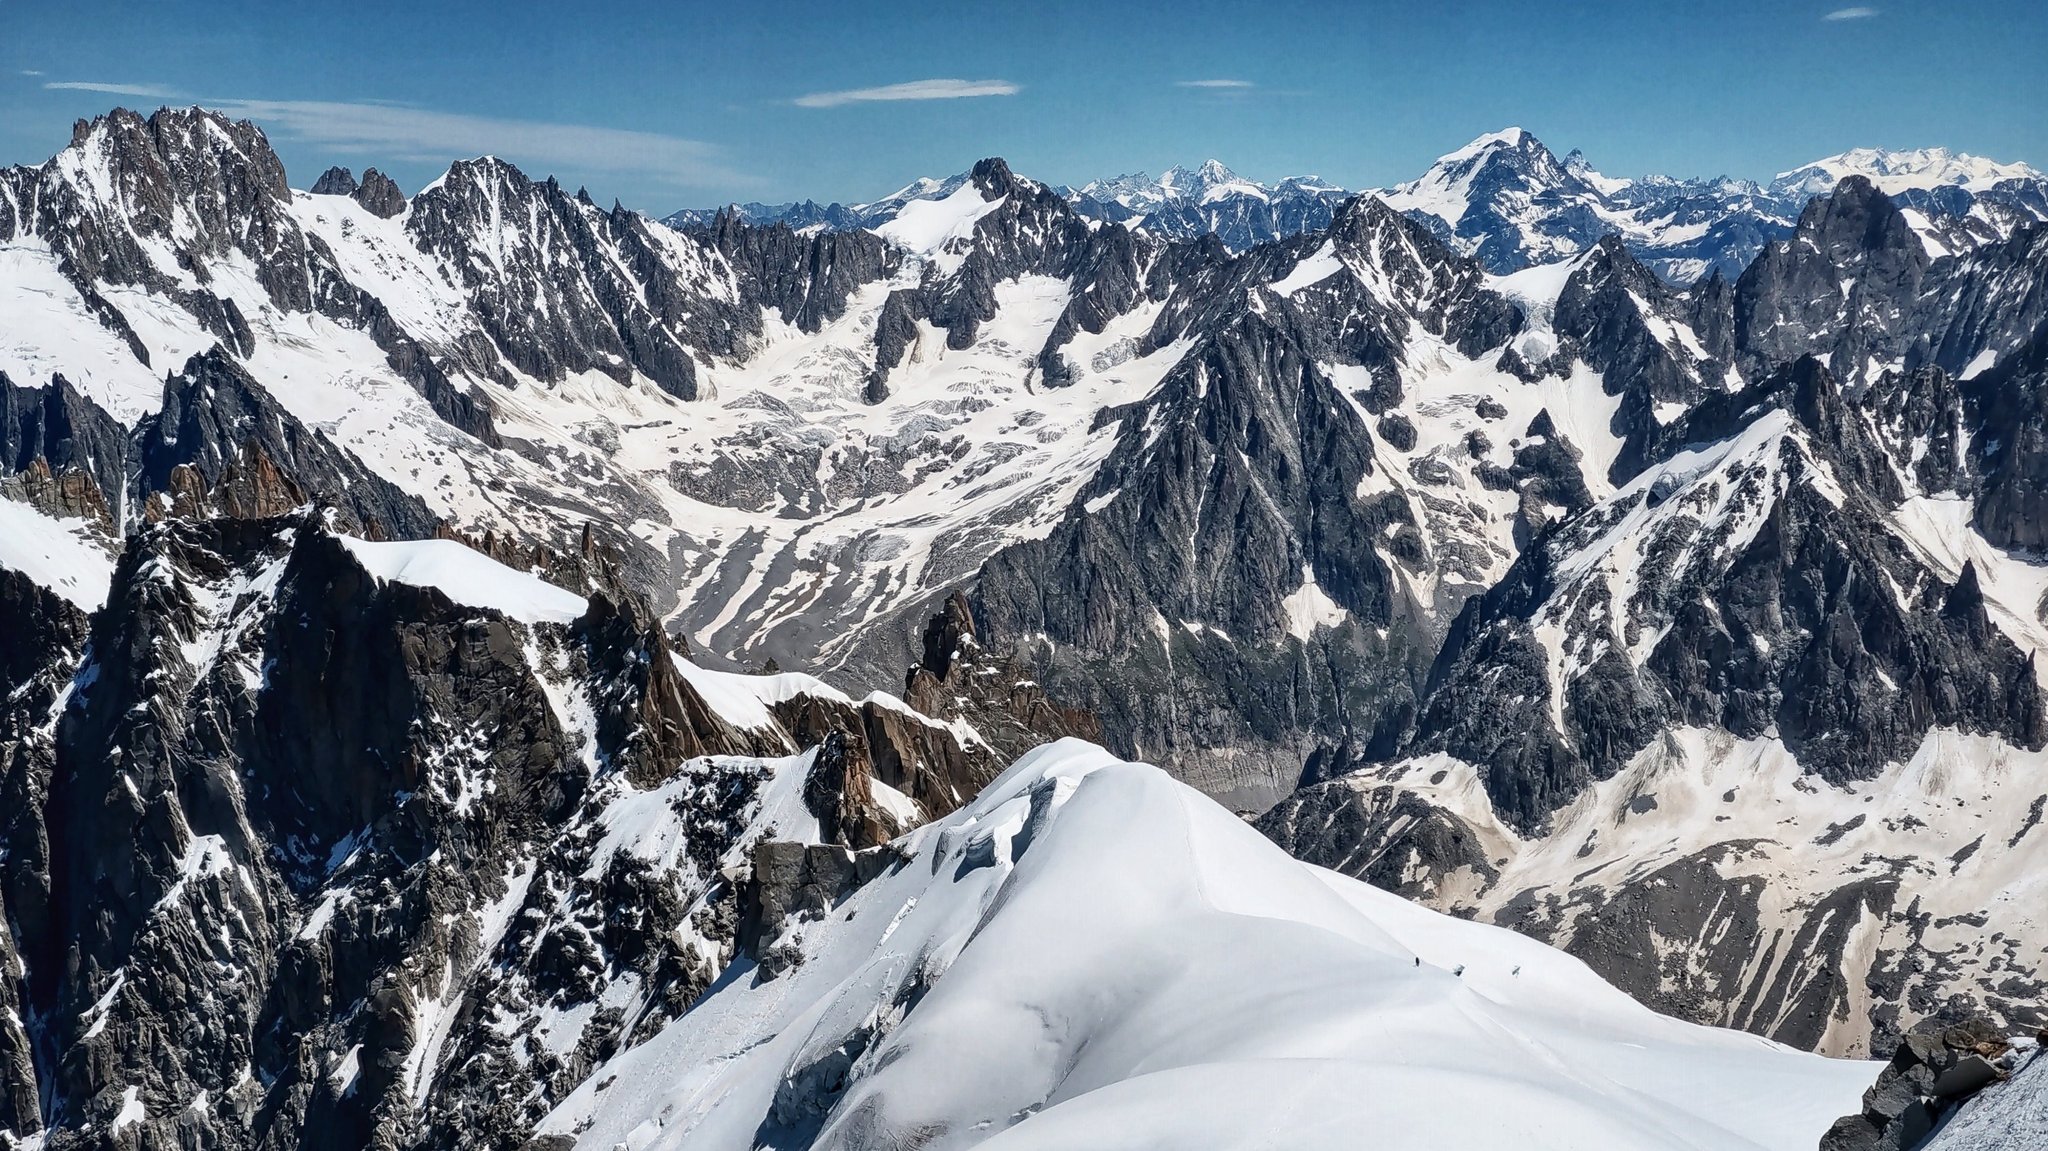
(58, 554)
(1094, 955)
(468, 577)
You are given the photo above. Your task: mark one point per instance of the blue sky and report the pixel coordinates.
(667, 105)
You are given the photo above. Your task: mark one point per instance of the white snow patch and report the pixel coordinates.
(132, 1110)
(929, 225)
(1313, 269)
(745, 700)
(469, 577)
(58, 554)
(1309, 607)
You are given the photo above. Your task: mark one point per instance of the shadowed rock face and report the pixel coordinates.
(2013, 398)
(959, 678)
(336, 181)
(42, 638)
(61, 452)
(379, 195)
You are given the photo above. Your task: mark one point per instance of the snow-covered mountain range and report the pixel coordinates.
(484, 669)
(1508, 201)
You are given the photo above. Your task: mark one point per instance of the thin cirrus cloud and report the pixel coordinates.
(1213, 84)
(1850, 14)
(143, 91)
(398, 132)
(910, 90)
(420, 135)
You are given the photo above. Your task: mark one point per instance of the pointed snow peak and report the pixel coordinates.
(1507, 139)
(1511, 154)
(1213, 172)
(481, 172)
(922, 188)
(1576, 163)
(1308, 183)
(175, 150)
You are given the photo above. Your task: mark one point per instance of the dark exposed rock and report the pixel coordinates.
(957, 677)
(1934, 1072)
(649, 718)
(2013, 399)
(379, 195)
(791, 882)
(1387, 837)
(336, 181)
(61, 452)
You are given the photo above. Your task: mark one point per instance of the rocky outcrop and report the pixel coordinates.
(959, 678)
(648, 716)
(1387, 837)
(790, 883)
(61, 452)
(2013, 398)
(335, 181)
(1934, 1073)
(379, 195)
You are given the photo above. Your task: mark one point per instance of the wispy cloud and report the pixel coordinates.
(31, 71)
(141, 91)
(1851, 14)
(913, 90)
(1214, 84)
(397, 132)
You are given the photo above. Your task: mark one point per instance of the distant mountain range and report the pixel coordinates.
(1510, 202)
